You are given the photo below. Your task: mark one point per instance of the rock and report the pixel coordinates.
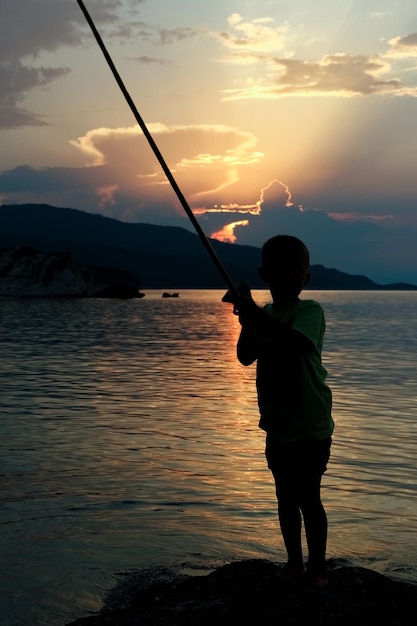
(251, 593)
(25, 271)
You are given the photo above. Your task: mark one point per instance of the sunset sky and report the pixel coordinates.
(274, 116)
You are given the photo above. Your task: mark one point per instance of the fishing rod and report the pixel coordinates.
(225, 275)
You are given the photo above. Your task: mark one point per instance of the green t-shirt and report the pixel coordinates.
(294, 399)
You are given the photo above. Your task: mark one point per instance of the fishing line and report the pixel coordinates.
(158, 154)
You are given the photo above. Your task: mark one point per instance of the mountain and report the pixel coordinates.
(156, 256)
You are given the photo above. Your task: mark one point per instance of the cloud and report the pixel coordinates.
(28, 29)
(171, 35)
(42, 25)
(227, 233)
(146, 60)
(257, 36)
(341, 74)
(32, 29)
(121, 173)
(405, 47)
(16, 80)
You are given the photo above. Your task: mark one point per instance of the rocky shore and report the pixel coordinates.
(253, 593)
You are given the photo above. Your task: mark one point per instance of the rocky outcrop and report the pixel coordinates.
(254, 593)
(26, 272)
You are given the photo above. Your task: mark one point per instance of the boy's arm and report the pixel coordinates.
(258, 324)
(247, 346)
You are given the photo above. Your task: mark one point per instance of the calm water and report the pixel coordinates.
(129, 439)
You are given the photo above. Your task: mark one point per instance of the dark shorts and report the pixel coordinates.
(292, 459)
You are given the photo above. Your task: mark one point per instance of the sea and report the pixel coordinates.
(130, 442)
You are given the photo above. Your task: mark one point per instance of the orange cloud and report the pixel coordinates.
(206, 160)
(251, 209)
(226, 234)
(285, 188)
(281, 196)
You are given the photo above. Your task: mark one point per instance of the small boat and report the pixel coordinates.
(170, 295)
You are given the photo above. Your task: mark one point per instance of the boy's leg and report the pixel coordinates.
(314, 515)
(315, 523)
(279, 462)
(290, 522)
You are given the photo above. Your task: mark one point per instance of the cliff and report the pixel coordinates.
(27, 272)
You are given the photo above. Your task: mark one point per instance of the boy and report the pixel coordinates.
(285, 338)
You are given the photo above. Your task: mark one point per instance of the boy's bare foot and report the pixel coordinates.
(317, 578)
(293, 572)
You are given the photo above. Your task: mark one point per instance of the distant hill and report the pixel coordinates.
(157, 256)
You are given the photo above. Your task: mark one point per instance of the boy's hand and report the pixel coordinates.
(243, 305)
(243, 289)
(244, 293)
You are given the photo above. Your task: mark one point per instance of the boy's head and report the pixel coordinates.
(285, 263)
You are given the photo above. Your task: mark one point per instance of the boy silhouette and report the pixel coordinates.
(285, 338)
